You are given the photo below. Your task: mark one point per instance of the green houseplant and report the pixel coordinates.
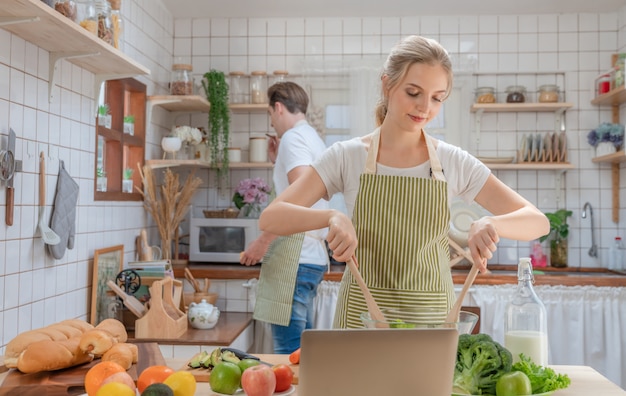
(559, 231)
(216, 89)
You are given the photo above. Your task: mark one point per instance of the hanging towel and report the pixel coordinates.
(63, 220)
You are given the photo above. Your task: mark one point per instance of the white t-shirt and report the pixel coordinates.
(301, 146)
(343, 163)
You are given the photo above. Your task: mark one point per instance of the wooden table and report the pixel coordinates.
(585, 380)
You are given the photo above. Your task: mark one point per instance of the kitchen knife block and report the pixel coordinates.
(163, 320)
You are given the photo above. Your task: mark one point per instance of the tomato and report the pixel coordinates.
(294, 358)
(514, 383)
(284, 376)
(153, 375)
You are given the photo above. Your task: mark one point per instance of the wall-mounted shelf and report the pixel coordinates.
(614, 97)
(181, 103)
(532, 166)
(559, 107)
(36, 22)
(248, 108)
(166, 163)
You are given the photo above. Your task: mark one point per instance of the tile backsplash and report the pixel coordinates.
(36, 290)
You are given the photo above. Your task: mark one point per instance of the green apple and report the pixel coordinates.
(514, 383)
(245, 363)
(225, 378)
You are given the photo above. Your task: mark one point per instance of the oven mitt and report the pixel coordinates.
(63, 219)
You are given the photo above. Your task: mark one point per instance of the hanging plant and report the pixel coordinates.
(216, 89)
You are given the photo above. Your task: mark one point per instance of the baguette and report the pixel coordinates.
(49, 355)
(124, 354)
(100, 339)
(56, 332)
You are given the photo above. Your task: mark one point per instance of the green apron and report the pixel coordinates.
(277, 280)
(402, 226)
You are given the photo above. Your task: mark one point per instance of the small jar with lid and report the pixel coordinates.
(116, 21)
(485, 95)
(258, 87)
(515, 94)
(181, 82)
(66, 8)
(86, 15)
(105, 27)
(238, 86)
(278, 76)
(548, 93)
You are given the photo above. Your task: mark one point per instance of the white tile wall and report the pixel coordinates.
(36, 290)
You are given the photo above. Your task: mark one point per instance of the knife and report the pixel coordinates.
(243, 355)
(10, 190)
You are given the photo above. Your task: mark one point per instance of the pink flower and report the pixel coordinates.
(251, 191)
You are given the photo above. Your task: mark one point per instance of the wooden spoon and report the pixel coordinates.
(192, 280)
(375, 312)
(453, 315)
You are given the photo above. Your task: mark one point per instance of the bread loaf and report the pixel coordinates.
(56, 332)
(48, 355)
(100, 339)
(124, 354)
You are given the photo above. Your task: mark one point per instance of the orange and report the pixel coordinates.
(153, 375)
(98, 373)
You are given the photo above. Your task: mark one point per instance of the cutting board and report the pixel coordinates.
(71, 381)
(203, 375)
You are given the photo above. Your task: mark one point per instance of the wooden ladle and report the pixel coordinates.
(453, 315)
(375, 312)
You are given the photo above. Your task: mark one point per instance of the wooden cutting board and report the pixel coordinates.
(70, 381)
(203, 375)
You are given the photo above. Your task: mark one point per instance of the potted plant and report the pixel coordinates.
(559, 231)
(104, 118)
(101, 180)
(129, 124)
(607, 138)
(216, 90)
(127, 181)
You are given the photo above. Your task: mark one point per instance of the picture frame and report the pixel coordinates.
(107, 263)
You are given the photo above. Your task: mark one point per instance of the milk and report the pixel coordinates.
(531, 343)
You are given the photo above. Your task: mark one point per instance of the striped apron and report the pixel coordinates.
(402, 226)
(277, 280)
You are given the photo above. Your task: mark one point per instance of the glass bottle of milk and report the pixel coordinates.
(525, 326)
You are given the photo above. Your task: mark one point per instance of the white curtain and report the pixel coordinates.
(586, 324)
(324, 303)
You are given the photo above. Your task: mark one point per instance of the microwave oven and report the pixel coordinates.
(220, 240)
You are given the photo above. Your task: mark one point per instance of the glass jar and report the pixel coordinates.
(485, 95)
(86, 15)
(105, 28)
(515, 94)
(238, 85)
(116, 21)
(278, 76)
(258, 87)
(66, 8)
(548, 93)
(620, 67)
(181, 82)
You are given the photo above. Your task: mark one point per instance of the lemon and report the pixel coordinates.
(183, 383)
(115, 389)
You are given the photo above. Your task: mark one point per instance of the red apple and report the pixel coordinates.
(258, 381)
(284, 376)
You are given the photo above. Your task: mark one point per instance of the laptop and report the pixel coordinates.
(376, 362)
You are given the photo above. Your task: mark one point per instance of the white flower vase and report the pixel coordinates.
(605, 148)
(171, 144)
(250, 211)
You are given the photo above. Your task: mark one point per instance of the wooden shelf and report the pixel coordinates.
(531, 166)
(41, 25)
(520, 107)
(181, 103)
(248, 108)
(614, 97)
(168, 163)
(614, 158)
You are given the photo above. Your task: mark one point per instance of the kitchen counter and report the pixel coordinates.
(499, 275)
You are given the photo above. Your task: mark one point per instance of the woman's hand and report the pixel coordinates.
(341, 236)
(482, 241)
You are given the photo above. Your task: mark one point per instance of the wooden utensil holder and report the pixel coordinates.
(163, 319)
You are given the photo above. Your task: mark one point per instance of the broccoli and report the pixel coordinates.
(480, 362)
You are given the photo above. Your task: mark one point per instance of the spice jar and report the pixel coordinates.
(238, 86)
(515, 94)
(86, 15)
(66, 8)
(181, 83)
(548, 93)
(105, 28)
(116, 21)
(278, 76)
(485, 95)
(258, 87)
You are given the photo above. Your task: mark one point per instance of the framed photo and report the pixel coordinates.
(107, 263)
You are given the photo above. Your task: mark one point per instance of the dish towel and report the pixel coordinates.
(63, 220)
